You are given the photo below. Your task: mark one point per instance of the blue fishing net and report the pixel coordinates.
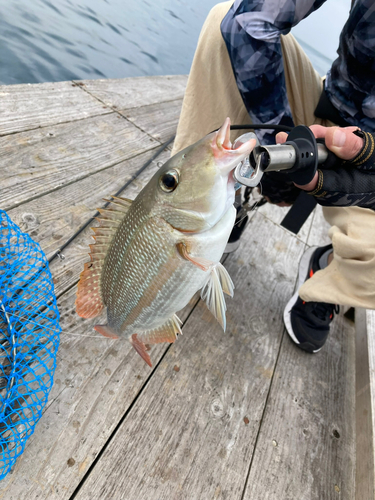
(29, 338)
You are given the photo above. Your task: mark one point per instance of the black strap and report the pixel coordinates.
(299, 212)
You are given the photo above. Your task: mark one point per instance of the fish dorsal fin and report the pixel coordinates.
(89, 302)
(212, 292)
(165, 333)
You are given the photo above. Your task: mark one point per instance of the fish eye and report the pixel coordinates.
(169, 181)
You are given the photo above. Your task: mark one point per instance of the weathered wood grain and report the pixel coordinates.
(158, 120)
(365, 404)
(128, 93)
(44, 160)
(25, 107)
(306, 445)
(95, 382)
(191, 433)
(276, 215)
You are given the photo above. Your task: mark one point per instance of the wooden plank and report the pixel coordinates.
(25, 107)
(41, 161)
(191, 433)
(306, 445)
(158, 120)
(126, 93)
(95, 382)
(365, 404)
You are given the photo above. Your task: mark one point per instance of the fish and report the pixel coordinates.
(152, 254)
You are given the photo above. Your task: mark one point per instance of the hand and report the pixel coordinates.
(341, 141)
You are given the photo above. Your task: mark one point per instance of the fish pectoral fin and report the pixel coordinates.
(141, 348)
(106, 331)
(165, 333)
(200, 262)
(212, 292)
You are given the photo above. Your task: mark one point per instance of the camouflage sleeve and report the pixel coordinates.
(251, 31)
(349, 183)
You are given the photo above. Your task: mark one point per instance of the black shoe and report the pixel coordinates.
(308, 323)
(238, 228)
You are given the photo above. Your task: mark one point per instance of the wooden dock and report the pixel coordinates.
(240, 415)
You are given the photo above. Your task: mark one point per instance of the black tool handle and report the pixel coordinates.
(306, 160)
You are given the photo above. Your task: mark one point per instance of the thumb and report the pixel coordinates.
(343, 142)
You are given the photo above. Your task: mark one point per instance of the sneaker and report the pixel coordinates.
(308, 323)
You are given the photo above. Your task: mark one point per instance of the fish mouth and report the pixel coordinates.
(227, 156)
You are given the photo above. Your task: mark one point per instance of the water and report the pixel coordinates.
(56, 40)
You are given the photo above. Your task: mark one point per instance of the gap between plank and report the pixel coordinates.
(116, 111)
(286, 230)
(40, 127)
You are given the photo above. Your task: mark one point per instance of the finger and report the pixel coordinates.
(343, 142)
(281, 137)
(319, 131)
(311, 185)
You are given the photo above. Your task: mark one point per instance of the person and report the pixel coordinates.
(248, 65)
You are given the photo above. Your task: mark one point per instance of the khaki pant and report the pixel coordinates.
(212, 95)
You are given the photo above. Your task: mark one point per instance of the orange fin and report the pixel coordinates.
(89, 302)
(200, 262)
(141, 349)
(165, 333)
(123, 203)
(106, 331)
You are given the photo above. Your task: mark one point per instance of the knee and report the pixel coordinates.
(216, 15)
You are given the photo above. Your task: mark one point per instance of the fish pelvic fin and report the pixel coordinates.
(89, 301)
(141, 349)
(165, 333)
(106, 331)
(212, 292)
(200, 262)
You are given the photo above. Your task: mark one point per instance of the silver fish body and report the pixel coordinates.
(151, 282)
(153, 254)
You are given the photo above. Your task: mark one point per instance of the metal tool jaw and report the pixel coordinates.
(300, 155)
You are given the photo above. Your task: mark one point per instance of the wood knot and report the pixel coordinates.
(30, 220)
(217, 408)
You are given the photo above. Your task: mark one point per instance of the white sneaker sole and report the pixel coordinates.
(302, 273)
